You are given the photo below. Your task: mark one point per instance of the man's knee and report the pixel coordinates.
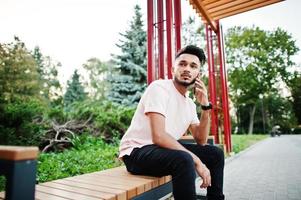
(183, 159)
(183, 165)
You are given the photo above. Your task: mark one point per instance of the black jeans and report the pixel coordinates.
(156, 161)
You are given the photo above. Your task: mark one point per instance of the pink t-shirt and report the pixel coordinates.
(162, 97)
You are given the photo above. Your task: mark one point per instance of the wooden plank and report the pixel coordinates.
(146, 182)
(235, 10)
(120, 192)
(113, 178)
(125, 175)
(208, 18)
(2, 195)
(18, 153)
(139, 183)
(80, 190)
(218, 3)
(131, 190)
(63, 193)
(231, 5)
(44, 196)
(121, 171)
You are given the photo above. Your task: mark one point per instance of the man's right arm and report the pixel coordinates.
(163, 139)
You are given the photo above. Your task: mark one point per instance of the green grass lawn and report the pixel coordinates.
(241, 142)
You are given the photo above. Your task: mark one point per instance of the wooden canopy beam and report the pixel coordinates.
(212, 10)
(201, 8)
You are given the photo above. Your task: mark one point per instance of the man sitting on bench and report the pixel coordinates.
(164, 114)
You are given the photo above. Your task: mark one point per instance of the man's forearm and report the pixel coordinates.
(167, 141)
(203, 128)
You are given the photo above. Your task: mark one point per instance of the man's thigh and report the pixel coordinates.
(153, 160)
(208, 154)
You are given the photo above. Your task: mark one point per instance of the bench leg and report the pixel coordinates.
(155, 193)
(20, 180)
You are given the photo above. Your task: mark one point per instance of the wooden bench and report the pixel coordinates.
(18, 165)
(111, 184)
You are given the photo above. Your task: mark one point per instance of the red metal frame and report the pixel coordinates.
(225, 107)
(169, 37)
(226, 91)
(150, 42)
(178, 23)
(160, 23)
(212, 85)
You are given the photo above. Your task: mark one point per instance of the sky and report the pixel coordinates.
(72, 31)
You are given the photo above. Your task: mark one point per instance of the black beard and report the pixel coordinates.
(185, 84)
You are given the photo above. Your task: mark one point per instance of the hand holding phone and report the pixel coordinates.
(200, 91)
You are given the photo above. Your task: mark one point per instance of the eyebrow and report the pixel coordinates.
(192, 63)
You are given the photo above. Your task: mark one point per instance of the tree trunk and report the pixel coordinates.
(251, 122)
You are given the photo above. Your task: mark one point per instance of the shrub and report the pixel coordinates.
(109, 120)
(21, 122)
(89, 154)
(297, 130)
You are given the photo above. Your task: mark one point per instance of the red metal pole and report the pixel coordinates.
(150, 42)
(212, 86)
(169, 28)
(224, 90)
(178, 23)
(160, 23)
(226, 81)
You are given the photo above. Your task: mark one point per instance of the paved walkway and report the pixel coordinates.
(269, 170)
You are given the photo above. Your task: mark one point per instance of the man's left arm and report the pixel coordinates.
(200, 131)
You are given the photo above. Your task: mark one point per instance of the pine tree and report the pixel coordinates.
(128, 79)
(75, 91)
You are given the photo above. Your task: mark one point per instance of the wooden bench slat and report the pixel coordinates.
(18, 153)
(146, 183)
(122, 171)
(2, 195)
(44, 196)
(80, 190)
(120, 193)
(130, 190)
(63, 193)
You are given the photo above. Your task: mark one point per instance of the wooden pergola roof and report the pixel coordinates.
(211, 10)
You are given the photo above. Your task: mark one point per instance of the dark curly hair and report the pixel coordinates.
(194, 50)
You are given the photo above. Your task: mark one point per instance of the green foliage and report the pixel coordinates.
(109, 120)
(20, 122)
(18, 72)
(128, 79)
(241, 142)
(260, 63)
(48, 72)
(295, 88)
(75, 91)
(193, 33)
(98, 72)
(296, 130)
(88, 155)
